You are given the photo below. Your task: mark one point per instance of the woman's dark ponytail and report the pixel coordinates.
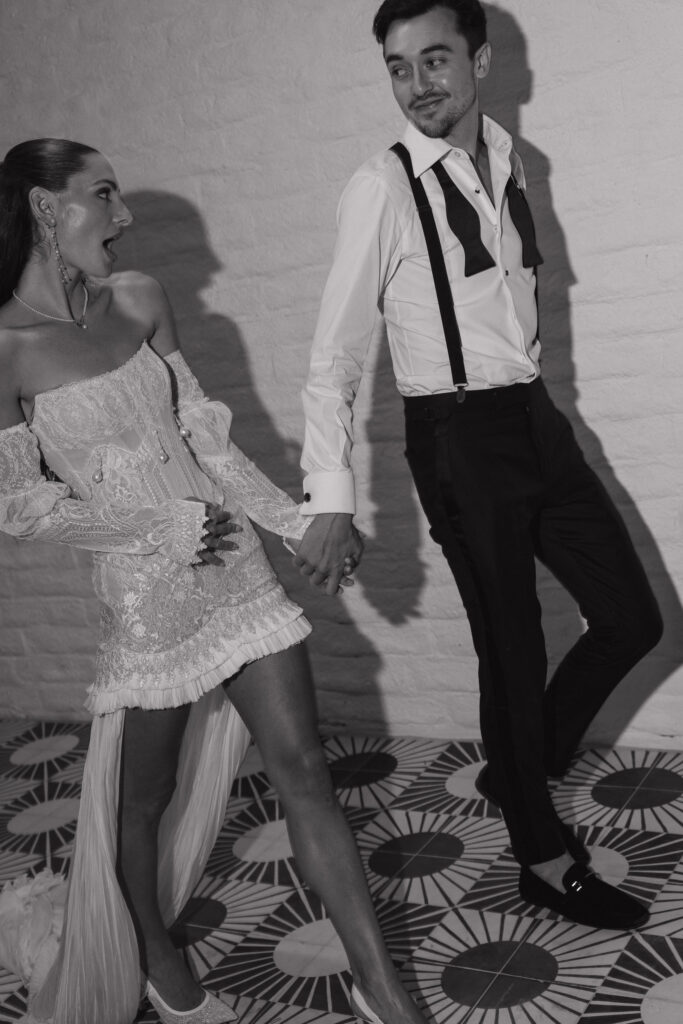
(46, 163)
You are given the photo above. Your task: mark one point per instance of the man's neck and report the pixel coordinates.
(465, 133)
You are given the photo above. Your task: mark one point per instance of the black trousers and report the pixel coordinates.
(502, 482)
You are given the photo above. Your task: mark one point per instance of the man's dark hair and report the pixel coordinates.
(469, 15)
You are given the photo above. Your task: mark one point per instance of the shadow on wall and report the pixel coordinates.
(168, 240)
(507, 89)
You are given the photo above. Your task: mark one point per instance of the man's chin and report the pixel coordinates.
(432, 129)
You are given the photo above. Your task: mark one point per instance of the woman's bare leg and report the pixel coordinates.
(275, 697)
(149, 761)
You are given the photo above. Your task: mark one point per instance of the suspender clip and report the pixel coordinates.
(461, 394)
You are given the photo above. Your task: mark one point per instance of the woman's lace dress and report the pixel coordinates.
(130, 448)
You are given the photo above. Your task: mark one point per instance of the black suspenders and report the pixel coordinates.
(441, 283)
(464, 222)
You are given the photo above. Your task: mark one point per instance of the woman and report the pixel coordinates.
(143, 472)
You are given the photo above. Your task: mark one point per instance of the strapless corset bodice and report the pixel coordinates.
(114, 439)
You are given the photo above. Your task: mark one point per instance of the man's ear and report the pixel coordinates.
(482, 60)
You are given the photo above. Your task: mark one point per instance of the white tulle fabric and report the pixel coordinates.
(129, 448)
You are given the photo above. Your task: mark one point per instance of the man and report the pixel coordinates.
(496, 466)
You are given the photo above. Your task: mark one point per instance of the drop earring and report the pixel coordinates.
(63, 272)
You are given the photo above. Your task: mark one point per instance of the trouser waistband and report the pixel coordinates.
(487, 400)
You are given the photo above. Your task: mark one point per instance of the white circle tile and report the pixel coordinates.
(46, 749)
(264, 843)
(312, 951)
(461, 783)
(664, 1002)
(43, 817)
(610, 865)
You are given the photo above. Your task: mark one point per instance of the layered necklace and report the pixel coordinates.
(80, 322)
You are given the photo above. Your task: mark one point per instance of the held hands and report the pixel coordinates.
(329, 552)
(218, 525)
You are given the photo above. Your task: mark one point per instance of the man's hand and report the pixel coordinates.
(329, 552)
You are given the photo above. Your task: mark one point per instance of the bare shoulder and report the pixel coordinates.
(137, 293)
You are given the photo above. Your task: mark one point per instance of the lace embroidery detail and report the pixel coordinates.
(33, 508)
(207, 424)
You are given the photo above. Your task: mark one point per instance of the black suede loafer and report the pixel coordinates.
(586, 899)
(575, 848)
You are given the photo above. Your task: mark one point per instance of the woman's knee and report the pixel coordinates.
(301, 773)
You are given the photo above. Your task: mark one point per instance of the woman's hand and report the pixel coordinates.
(218, 526)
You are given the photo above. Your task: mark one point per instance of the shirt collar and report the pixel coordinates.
(425, 152)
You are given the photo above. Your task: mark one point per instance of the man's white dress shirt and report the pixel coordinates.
(381, 268)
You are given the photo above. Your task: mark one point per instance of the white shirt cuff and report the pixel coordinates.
(328, 492)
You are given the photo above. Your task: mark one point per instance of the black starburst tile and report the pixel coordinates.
(447, 786)
(428, 858)
(12, 997)
(253, 846)
(641, 864)
(610, 787)
(219, 916)
(251, 781)
(14, 789)
(41, 822)
(371, 771)
(645, 986)
(666, 913)
(259, 1011)
(14, 863)
(43, 749)
(12, 728)
(295, 956)
(496, 969)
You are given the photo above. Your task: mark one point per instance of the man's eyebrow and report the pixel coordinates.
(428, 49)
(106, 181)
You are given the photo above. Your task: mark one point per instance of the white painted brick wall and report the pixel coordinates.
(233, 125)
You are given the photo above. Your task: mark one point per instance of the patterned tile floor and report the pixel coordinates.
(440, 871)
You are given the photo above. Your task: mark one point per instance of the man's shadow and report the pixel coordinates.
(168, 240)
(504, 92)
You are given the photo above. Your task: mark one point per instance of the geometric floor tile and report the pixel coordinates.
(644, 987)
(219, 916)
(41, 823)
(43, 746)
(12, 996)
(251, 780)
(666, 913)
(499, 969)
(371, 771)
(447, 786)
(441, 872)
(639, 863)
(295, 956)
(253, 846)
(633, 789)
(428, 858)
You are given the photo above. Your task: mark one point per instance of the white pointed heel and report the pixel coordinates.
(209, 1011)
(361, 1008)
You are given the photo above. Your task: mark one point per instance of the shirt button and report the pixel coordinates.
(507, 273)
(477, 190)
(307, 496)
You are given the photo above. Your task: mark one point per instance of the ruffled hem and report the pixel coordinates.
(105, 701)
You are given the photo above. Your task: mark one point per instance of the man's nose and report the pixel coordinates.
(421, 82)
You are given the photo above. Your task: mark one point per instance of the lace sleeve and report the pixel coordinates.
(206, 427)
(33, 508)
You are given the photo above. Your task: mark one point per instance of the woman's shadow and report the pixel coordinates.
(504, 92)
(168, 240)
